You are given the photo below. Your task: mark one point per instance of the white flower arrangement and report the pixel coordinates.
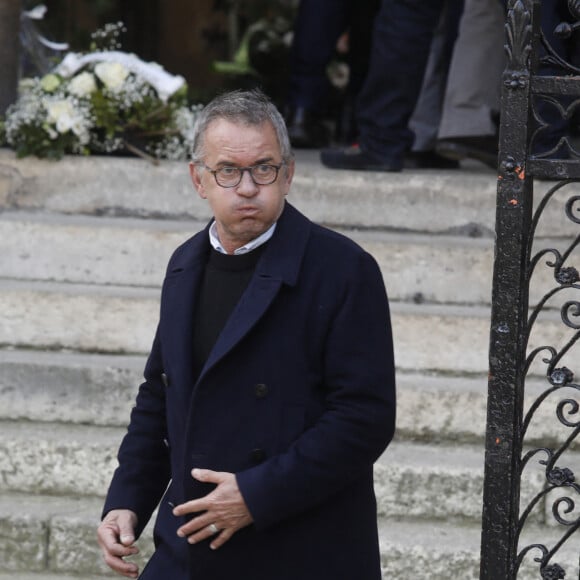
(102, 102)
(82, 85)
(112, 75)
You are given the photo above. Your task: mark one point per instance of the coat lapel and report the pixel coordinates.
(179, 298)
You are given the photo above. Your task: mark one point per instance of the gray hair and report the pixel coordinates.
(248, 108)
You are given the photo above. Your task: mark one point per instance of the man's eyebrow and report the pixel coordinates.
(226, 163)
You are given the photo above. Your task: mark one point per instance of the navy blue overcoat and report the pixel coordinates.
(297, 398)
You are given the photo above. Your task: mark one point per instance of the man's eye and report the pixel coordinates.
(228, 171)
(262, 169)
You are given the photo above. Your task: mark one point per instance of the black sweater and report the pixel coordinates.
(224, 281)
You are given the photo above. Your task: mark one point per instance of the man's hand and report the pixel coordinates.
(116, 537)
(224, 510)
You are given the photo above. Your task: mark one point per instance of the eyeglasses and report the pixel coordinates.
(230, 176)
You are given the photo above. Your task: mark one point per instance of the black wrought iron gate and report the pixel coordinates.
(531, 511)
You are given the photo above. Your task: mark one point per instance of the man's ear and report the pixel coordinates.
(195, 173)
(289, 174)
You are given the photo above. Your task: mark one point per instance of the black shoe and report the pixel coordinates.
(428, 160)
(354, 158)
(305, 130)
(484, 149)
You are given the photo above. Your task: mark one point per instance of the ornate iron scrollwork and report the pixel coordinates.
(558, 475)
(519, 358)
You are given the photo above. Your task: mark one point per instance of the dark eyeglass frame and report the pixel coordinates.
(249, 169)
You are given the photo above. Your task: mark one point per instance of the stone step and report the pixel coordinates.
(433, 550)
(422, 201)
(129, 187)
(117, 319)
(134, 252)
(120, 319)
(56, 539)
(53, 535)
(49, 458)
(50, 576)
(44, 458)
(100, 390)
(420, 480)
(65, 387)
(89, 250)
(429, 550)
(439, 408)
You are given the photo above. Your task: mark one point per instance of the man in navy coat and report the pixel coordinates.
(269, 391)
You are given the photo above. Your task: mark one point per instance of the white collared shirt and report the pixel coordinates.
(251, 245)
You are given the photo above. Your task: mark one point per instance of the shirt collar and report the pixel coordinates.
(251, 245)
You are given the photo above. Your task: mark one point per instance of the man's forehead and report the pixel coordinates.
(224, 134)
(223, 124)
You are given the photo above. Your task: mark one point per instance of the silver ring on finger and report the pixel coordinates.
(213, 529)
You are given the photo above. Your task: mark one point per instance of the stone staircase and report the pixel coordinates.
(83, 246)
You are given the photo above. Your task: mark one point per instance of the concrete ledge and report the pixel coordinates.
(68, 387)
(88, 318)
(429, 550)
(50, 576)
(74, 551)
(23, 542)
(434, 550)
(100, 390)
(45, 458)
(67, 544)
(89, 250)
(123, 320)
(423, 201)
(439, 482)
(125, 186)
(426, 550)
(414, 480)
(134, 252)
(74, 460)
(446, 409)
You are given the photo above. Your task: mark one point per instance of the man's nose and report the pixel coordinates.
(247, 185)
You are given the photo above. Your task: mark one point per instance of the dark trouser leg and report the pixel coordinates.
(401, 43)
(318, 25)
(361, 21)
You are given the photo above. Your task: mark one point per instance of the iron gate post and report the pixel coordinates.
(509, 303)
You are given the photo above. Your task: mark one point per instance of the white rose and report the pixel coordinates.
(112, 74)
(82, 85)
(62, 114)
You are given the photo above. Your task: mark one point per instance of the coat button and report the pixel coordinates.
(164, 379)
(258, 455)
(261, 390)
